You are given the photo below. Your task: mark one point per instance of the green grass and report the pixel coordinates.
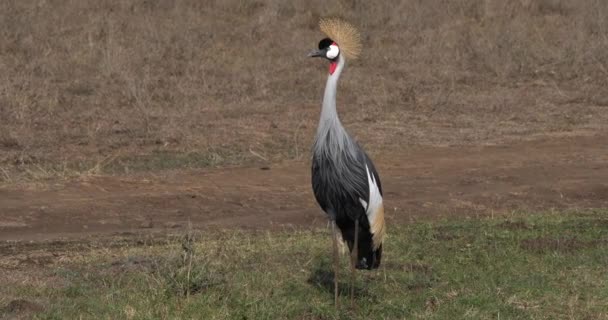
(541, 266)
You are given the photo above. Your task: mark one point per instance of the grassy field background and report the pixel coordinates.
(544, 266)
(100, 100)
(122, 86)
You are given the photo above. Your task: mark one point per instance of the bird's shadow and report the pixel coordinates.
(322, 277)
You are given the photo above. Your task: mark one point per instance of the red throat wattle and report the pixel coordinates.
(332, 67)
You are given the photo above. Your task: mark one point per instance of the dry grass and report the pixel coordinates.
(84, 83)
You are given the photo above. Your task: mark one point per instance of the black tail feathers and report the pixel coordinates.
(369, 259)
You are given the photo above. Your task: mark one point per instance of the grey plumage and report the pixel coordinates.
(344, 180)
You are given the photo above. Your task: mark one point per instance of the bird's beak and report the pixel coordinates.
(316, 53)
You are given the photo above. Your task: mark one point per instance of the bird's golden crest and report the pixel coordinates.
(344, 34)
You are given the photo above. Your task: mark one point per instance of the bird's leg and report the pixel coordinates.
(336, 262)
(353, 263)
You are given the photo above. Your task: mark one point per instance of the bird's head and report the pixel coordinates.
(342, 40)
(329, 50)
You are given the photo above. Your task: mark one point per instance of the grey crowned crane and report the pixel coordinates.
(344, 180)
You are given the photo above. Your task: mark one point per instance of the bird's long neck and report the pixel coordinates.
(329, 115)
(331, 136)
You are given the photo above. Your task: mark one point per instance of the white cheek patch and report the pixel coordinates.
(333, 52)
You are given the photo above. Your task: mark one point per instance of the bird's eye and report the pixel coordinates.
(325, 43)
(332, 52)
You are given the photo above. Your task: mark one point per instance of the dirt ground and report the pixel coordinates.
(539, 175)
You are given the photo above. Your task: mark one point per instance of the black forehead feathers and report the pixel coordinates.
(325, 43)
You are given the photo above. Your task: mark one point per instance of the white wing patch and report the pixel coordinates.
(374, 209)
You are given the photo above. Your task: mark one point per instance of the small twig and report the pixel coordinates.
(6, 175)
(561, 93)
(297, 147)
(190, 254)
(258, 155)
(102, 163)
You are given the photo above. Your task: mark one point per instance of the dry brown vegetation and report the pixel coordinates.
(90, 86)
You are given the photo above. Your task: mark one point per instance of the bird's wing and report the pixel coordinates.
(374, 207)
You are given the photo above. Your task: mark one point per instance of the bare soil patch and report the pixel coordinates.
(424, 182)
